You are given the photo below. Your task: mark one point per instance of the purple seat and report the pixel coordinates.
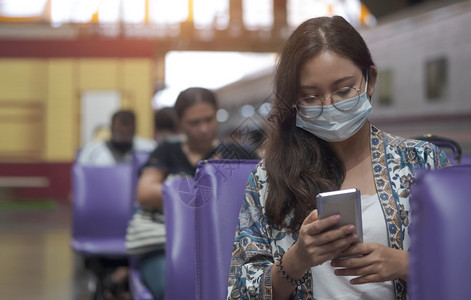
(138, 289)
(201, 217)
(219, 193)
(179, 213)
(440, 239)
(102, 206)
(140, 157)
(466, 159)
(102, 203)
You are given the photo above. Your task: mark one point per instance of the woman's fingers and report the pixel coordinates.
(357, 249)
(319, 240)
(377, 263)
(337, 233)
(321, 224)
(312, 217)
(349, 263)
(337, 246)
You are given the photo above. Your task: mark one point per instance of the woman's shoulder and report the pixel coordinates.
(399, 142)
(257, 181)
(260, 171)
(415, 150)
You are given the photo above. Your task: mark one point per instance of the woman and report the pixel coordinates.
(196, 112)
(322, 141)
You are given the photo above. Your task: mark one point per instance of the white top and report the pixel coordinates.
(98, 153)
(327, 285)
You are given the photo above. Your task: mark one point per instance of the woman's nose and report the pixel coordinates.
(327, 101)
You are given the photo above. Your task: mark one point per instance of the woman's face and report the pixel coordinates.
(199, 124)
(328, 72)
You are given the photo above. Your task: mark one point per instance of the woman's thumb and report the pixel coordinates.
(311, 217)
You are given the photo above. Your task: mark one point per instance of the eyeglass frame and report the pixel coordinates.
(358, 90)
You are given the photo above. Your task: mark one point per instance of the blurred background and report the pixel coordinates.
(67, 65)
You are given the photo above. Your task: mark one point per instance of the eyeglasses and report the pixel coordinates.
(337, 96)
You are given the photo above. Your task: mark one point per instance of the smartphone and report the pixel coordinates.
(346, 203)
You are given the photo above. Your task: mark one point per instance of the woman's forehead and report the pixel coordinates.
(198, 111)
(327, 67)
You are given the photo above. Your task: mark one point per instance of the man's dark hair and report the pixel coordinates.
(125, 117)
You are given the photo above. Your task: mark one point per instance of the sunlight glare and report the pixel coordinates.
(109, 11)
(134, 11)
(83, 10)
(210, 70)
(258, 14)
(24, 8)
(208, 12)
(168, 12)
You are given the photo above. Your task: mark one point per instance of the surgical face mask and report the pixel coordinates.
(334, 125)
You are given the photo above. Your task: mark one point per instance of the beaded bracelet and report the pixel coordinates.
(295, 282)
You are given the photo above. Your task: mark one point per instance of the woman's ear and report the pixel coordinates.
(372, 76)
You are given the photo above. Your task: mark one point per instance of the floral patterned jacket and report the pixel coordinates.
(257, 245)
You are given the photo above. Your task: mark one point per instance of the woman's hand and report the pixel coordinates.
(315, 245)
(149, 188)
(377, 263)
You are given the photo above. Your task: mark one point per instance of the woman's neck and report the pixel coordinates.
(355, 149)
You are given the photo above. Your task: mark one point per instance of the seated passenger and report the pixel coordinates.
(321, 140)
(196, 111)
(121, 145)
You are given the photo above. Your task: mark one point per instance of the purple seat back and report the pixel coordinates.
(140, 158)
(179, 213)
(440, 238)
(138, 289)
(102, 203)
(466, 159)
(219, 193)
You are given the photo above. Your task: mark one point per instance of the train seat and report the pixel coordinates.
(219, 193)
(201, 218)
(102, 204)
(137, 287)
(440, 240)
(177, 194)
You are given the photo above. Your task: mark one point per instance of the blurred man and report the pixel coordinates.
(121, 145)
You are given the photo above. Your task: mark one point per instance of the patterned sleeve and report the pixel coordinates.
(434, 157)
(252, 259)
(440, 158)
(422, 155)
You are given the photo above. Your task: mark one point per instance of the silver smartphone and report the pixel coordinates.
(346, 203)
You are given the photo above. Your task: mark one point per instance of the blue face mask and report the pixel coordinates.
(334, 125)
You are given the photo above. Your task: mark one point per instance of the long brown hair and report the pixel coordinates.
(299, 165)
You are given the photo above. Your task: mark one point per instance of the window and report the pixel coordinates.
(385, 88)
(436, 79)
